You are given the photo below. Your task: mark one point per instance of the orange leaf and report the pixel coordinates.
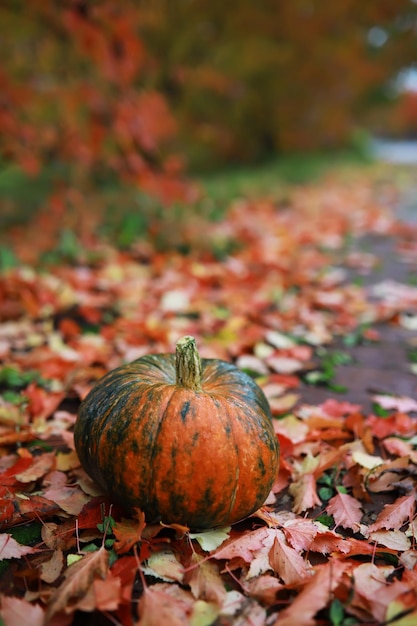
(128, 533)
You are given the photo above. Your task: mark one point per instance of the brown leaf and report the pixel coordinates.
(78, 579)
(300, 533)
(50, 570)
(204, 580)
(372, 594)
(244, 546)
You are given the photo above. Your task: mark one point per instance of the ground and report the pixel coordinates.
(313, 293)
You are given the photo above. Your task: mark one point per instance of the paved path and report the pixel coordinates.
(383, 366)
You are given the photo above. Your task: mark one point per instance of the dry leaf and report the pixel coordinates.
(393, 516)
(78, 579)
(315, 595)
(346, 511)
(287, 562)
(11, 549)
(18, 611)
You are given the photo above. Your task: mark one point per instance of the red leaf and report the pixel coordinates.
(287, 562)
(393, 516)
(346, 511)
(316, 594)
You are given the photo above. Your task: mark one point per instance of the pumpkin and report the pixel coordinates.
(187, 440)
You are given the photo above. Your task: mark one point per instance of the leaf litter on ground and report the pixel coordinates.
(335, 540)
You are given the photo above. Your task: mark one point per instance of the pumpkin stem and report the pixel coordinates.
(188, 364)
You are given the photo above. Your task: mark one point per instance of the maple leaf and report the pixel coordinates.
(393, 516)
(346, 511)
(204, 579)
(287, 562)
(165, 604)
(128, 533)
(372, 594)
(314, 596)
(300, 533)
(78, 579)
(264, 588)
(304, 492)
(18, 611)
(11, 549)
(243, 546)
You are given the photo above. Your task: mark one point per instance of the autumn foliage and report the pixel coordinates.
(133, 88)
(335, 540)
(98, 92)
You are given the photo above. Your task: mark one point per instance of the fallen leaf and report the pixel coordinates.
(40, 466)
(18, 611)
(165, 566)
(211, 539)
(205, 581)
(51, 570)
(399, 403)
(304, 492)
(78, 579)
(244, 546)
(346, 511)
(393, 516)
(290, 566)
(165, 604)
(392, 539)
(314, 596)
(128, 532)
(11, 549)
(372, 594)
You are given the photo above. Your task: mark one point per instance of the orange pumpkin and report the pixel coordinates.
(187, 440)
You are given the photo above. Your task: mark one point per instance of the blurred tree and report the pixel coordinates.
(270, 75)
(73, 91)
(93, 83)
